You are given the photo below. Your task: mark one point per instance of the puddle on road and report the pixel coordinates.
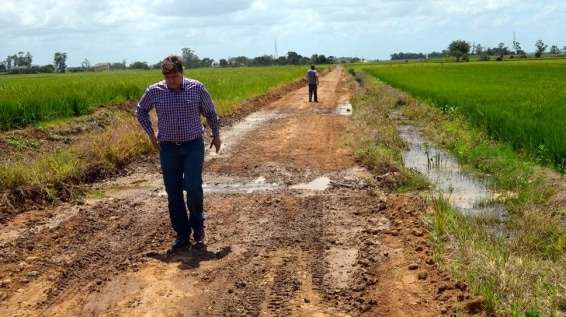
(344, 109)
(233, 135)
(230, 186)
(318, 184)
(237, 187)
(466, 193)
(258, 185)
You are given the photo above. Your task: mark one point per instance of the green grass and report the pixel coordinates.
(515, 263)
(26, 99)
(375, 139)
(521, 103)
(513, 277)
(520, 269)
(96, 154)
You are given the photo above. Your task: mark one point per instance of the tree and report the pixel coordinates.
(517, 48)
(282, 60)
(502, 50)
(239, 61)
(20, 59)
(85, 64)
(122, 65)
(27, 60)
(554, 50)
(206, 62)
(402, 56)
(479, 50)
(265, 60)
(190, 59)
(223, 62)
(315, 59)
(60, 62)
(319, 59)
(47, 69)
(459, 49)
(293, 58)
(541, 48)
(3, 68)
(139, 65)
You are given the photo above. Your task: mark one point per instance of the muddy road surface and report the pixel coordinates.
(294, 228)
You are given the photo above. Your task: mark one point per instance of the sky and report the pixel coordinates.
(148, 30)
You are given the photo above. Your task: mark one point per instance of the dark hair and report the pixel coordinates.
(172, 64)
(312, 67)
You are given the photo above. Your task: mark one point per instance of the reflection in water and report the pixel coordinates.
(466, 193)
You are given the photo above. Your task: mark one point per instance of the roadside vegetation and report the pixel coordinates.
(519, 103)
(376, 140)
(27, 99)
(515, 263)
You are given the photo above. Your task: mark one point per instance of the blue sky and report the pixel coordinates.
(147, 30)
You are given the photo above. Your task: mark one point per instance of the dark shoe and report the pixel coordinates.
(200, 245)
(180, 242)
(199, 238)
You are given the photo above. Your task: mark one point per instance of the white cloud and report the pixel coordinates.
(147, 29)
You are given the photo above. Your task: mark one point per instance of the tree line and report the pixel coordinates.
(21, 63)
(463, 50)
(192, 60)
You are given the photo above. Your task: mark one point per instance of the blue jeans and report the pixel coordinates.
(182, 170)
(313, 92)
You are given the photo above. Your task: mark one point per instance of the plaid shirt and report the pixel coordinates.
(178, 111)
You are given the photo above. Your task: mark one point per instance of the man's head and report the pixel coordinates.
(312, 67)
(172, 70)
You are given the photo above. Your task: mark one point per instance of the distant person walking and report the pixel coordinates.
(179, 103)
(312, 77)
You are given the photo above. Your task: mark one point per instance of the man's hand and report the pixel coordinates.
(216, 143)
(155, 143)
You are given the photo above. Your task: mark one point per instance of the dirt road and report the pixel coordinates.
(293, 228)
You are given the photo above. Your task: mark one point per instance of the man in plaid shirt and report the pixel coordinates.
(179, 103)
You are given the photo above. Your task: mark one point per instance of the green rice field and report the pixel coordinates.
(25, 99)
(522, 102)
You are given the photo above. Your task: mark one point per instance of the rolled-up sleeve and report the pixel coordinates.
(208, 109)
(142, 112)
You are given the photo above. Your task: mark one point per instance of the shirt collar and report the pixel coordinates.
(183, 84)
